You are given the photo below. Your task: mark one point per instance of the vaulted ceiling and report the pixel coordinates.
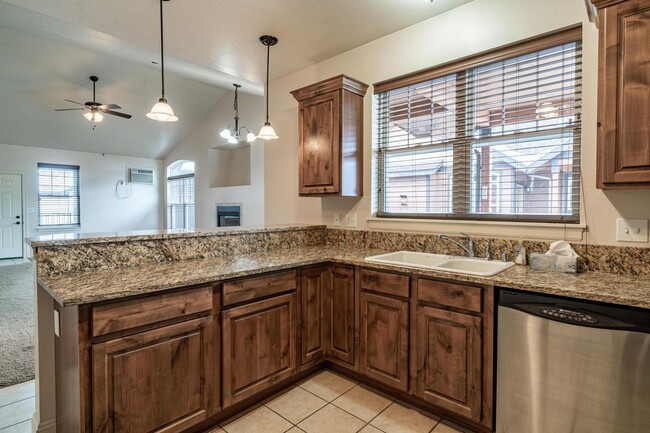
(50, 48)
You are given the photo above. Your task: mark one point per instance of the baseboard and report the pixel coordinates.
(48, 426)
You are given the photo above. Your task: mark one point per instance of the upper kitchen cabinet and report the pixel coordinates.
(624, 94)
(331, 137)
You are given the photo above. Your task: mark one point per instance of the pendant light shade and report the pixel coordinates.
(267, 132)
(162, 111)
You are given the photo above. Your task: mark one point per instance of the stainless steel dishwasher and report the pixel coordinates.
(566, 366)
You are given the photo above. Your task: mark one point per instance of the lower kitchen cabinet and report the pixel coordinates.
(340, 314)
(449, 359)
(161, 380)
(313, 291)
(259, 346)
(383, 340)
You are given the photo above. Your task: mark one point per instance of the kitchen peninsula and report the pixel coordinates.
(176, 331)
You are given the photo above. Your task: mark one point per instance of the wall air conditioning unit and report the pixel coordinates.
(141, 176)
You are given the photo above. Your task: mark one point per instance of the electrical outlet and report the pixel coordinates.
(632, 230)
(337, 220)
(351, 220)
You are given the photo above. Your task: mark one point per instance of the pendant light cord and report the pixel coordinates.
(162, 51)
(268, 54)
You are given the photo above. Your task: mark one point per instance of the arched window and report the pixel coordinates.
(180, 195)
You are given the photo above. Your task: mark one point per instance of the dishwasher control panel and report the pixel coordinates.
(567, 315)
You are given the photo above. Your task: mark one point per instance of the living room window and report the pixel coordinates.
(180, 195)
(492, 137)
(58, 195)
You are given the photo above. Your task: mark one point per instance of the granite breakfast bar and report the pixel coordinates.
(198, 280)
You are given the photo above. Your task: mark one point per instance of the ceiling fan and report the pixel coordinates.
(96, 110)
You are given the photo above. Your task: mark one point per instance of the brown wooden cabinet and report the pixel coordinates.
(330, 129)
(449, 360)
(340, 314)
(383, 341)
(314, 285)
(259, 346)
(624, 94)
(161, 380)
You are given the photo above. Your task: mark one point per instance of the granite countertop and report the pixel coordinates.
(103, 285)
(57, 239)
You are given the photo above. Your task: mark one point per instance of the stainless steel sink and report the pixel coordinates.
(441, 262)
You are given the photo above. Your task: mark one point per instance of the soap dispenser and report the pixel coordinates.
(520, 254)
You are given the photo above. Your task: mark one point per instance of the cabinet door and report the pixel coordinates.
(449, 360)
(319, 144)
(340, 314)
(155, 381)
(259, 346)
(624, 95)
(384, 339)
(313, 289)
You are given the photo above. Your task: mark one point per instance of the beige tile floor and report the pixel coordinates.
(329, 403)
(323, 403)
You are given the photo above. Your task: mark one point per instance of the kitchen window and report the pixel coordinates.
(181, 195)
(58, 195)
(492, 137)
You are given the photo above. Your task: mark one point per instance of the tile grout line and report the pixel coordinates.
(15, 424)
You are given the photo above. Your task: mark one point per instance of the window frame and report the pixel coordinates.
(463, 163)
(77, 177)
(185, 206)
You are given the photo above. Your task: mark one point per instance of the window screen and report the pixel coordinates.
(496, 140)
(58, 195)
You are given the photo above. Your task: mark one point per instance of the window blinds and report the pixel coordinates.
(58, 195)
(497, 140)
(180, 202)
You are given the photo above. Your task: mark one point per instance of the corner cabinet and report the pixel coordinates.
(330, 130)
(623, 94)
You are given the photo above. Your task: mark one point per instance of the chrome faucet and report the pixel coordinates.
(470, 249)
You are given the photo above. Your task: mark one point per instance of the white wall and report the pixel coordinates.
(196, 147)
(474, 27)
(101, 210)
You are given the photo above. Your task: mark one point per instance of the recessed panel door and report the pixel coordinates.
(11, 216)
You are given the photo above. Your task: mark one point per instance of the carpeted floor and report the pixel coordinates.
(16, 324)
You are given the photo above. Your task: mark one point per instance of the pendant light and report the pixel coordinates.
(267, 132)
(161, 110)
(234, 136)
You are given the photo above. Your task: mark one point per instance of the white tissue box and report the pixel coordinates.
(547, 262)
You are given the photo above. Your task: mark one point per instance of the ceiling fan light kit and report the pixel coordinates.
(162, 111)
(267, 132)
(234, 136)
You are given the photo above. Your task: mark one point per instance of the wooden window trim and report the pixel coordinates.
(527, 46)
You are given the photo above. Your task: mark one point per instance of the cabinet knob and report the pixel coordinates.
(598, 124)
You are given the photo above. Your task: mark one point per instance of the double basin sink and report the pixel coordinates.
(444, 263)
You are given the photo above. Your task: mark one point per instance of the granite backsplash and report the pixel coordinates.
(56, 259)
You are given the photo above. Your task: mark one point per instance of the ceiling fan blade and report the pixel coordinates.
(69, 109)
(110, 106)
(115, 113)
(74, 102)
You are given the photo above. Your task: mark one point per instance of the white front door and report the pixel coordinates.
(11, 216)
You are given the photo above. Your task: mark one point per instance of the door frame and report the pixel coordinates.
(23, 199)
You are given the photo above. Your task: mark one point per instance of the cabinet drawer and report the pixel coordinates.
(385, 282)
(450, 294)
(145, 311)
(258, 287)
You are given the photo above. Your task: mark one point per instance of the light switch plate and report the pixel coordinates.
(351, 220)
(336, 221)
(632, 230)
